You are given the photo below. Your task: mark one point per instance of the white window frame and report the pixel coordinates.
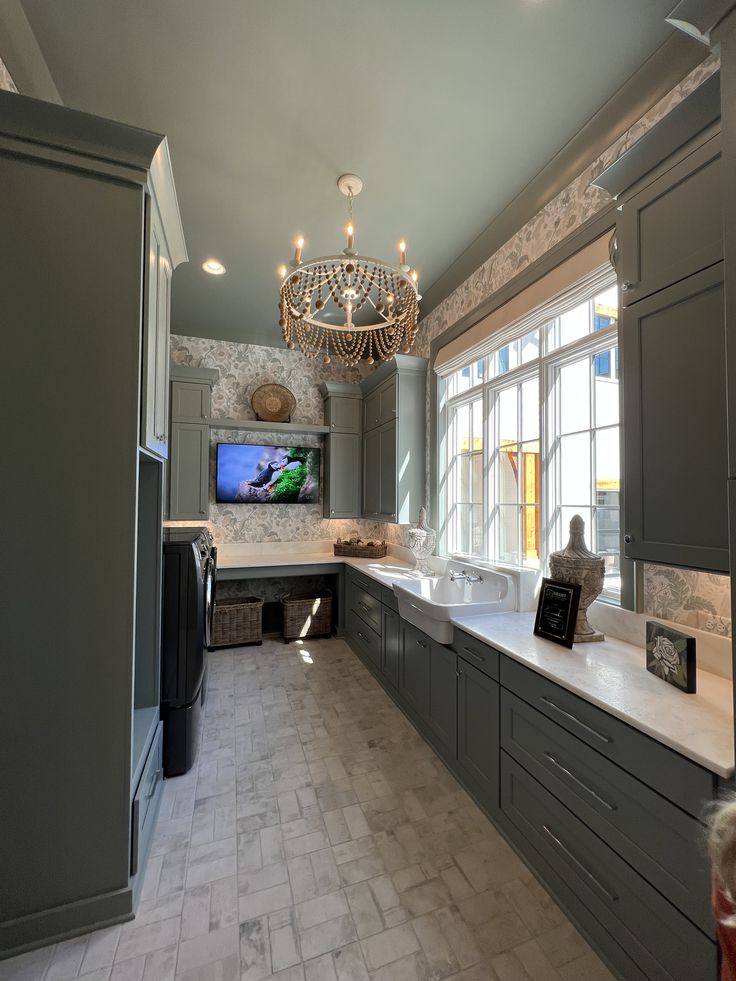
(545, 368)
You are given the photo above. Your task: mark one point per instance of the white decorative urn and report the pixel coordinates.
(577, 564)
(421, 540)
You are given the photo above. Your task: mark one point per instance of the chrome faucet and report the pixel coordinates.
(465, 576)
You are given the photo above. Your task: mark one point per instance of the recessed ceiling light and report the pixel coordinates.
(213, 267)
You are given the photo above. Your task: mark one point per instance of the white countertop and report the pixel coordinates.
(612, 675)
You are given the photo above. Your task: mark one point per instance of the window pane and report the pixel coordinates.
(530, 409)
(508, 534)
(606, 389)
(529, 347)
(566, 516)
(530, 472)
(507, 409)
(469, 536)
(477, 412)
(575, 469)
(605, 308)
(530, 536)
(574, 384)
(508, 473)
(607, 468)
(462, 428)
(574, 324)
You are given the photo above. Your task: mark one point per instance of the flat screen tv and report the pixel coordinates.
(250, 474)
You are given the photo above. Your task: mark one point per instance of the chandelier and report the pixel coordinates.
(348, 306)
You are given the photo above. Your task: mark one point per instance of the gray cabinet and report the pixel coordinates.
(390, 645)
(414, 669)
(189, 460)
(394, 448)
(675, 434)
(442, 697)
(155, 382)
(478, 733)
(343, 450)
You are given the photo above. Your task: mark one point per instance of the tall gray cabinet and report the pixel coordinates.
(394, 447)
(673, 342)
(343, 449)
(90, 236)
(189, 458)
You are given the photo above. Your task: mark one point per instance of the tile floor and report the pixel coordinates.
(319, 838)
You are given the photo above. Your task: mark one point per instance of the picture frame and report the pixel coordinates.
(557, 611)
(670, 655)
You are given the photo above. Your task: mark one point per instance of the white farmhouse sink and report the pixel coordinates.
(430, 604)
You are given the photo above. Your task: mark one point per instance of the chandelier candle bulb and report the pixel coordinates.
(351, 235)
(402, 253)
(298, 249)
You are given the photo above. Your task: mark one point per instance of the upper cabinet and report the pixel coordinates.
(394, 448)
(189, 460)
(669, 256)
(165, 249)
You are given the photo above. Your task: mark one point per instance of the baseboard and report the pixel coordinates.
(61, 922)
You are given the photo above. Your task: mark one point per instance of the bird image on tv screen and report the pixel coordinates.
(248, 474)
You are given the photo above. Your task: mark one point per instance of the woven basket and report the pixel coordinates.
(303, 616)
(238, 621)
(361, 551)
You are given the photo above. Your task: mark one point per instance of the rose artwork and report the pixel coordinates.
(670, 655)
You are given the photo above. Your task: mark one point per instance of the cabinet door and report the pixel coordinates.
(674, 413)
(343, 414)
(189, 471)
(155, 340)
(442, 697)
(371, 473)
(372, 410)
(673, 227)
(387, 486)
(391, 645)
(414, 669)
(478, 733)
(387, 401)
(343, 475)
(190, 402)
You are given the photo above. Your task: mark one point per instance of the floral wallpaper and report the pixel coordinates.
(6, 82)
(697, 599)
(242, 368)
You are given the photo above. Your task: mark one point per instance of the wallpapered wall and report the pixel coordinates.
(242, 368)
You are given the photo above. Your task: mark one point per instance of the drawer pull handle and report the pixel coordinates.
(361, 635)
(422, 644)
(610, 896)
(479, 659)
(576, 780)
(573, 718)
(362, 605)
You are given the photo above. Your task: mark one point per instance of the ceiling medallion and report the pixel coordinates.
(349, 307)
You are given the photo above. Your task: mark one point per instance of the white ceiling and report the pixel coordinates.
(446, 108)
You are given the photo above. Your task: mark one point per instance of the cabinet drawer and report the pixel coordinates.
(367, 607)
(485, 658)
(665, 771)
(145, 801)
(388, 598)
(365, 639)
(365, 583)
(658, 938)
(654, 836)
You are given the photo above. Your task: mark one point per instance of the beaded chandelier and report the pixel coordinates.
(348, 306)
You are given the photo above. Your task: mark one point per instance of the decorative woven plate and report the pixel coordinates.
(273, 403)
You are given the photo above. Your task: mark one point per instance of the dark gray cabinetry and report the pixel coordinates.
(442, 697)
(393, 440)
(477, 733)
(189, 458)
(414, 670)
(80, 681)
(669, 251)
(674, 384)
(391, 645)
(343, 450)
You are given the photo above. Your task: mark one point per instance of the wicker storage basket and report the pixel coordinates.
(307, 614)
(238, 621)
(362, 551)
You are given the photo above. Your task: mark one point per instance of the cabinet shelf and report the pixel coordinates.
(251, 426)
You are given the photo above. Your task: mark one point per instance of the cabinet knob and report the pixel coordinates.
(628, 539)
(628, 285)
(333, 425)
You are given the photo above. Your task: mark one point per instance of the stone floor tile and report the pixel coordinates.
(435, 946)
(389, 946)
(257, 904)
(208, 948)
(30, 966)
(589, 967)
(66, 959)
(321, 909)
(255, 949)
(414, 967)
(327, 936)
(143, 940)
(100, 952)
(562, 944)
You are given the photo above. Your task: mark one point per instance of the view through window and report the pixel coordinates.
(532, 438)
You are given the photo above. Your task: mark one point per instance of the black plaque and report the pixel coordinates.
(557, 611)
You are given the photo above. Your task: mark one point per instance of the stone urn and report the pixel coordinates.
(576, 563)
(421, 540)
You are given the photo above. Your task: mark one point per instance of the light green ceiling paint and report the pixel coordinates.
(445, 109)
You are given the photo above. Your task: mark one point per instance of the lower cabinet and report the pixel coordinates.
(477, 732)
(607, 817)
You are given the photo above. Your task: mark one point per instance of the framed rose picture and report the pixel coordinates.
(671, 656)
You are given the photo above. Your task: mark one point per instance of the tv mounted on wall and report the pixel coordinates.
(250, 474)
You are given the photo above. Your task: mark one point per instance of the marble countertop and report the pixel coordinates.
(611, 674)
(244, 556)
